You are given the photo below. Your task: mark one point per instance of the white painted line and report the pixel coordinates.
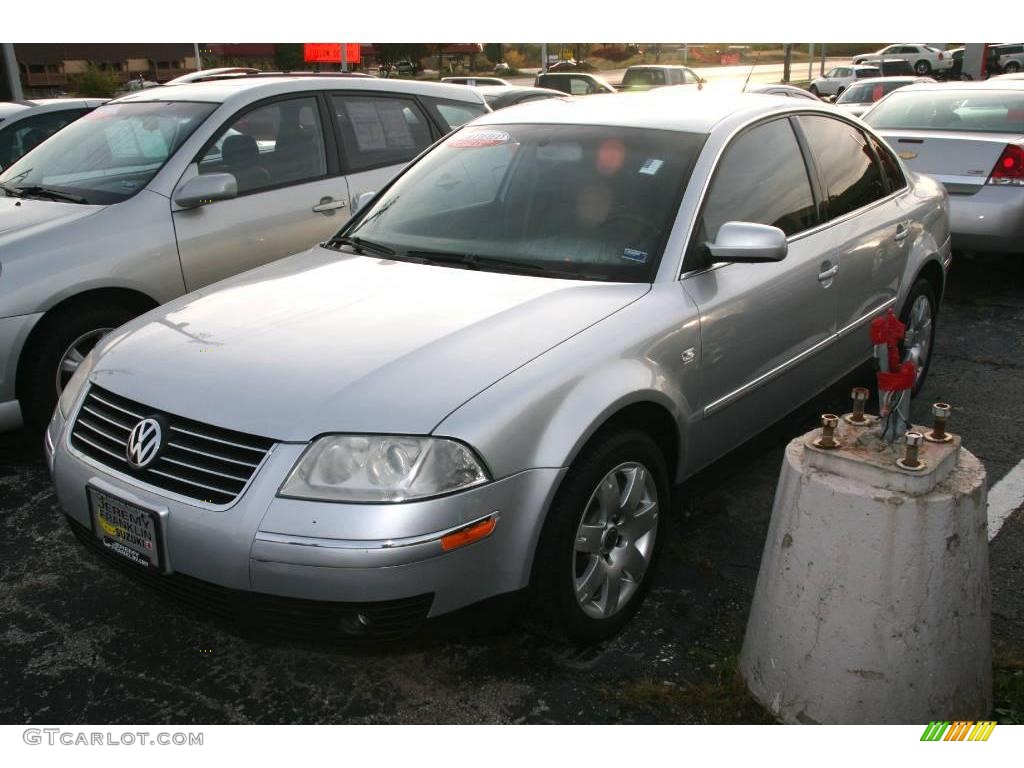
(1004, 498)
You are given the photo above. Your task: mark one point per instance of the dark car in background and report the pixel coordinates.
(501, 96)
(573, 83)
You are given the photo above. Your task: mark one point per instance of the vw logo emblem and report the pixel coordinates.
(144, 443)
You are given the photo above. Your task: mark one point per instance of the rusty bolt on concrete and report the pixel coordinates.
(910, 458)
(858, 418)
(829, 422)
(939, 434)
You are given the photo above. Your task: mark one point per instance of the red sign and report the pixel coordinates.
(330, 53)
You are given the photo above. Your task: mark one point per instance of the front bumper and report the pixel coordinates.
(336, 553)
(991, 220)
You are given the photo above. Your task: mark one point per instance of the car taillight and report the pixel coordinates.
(1009, 168)
(940, 56)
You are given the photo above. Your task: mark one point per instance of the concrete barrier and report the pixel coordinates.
(872, 603)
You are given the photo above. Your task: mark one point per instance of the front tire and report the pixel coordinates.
(919, 315)
(814, 89)
(600, 543)
(66, 338)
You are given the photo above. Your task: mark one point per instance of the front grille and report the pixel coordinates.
(198, 461)
(315, 619)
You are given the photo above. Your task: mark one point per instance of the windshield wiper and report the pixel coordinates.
(475, 261)
(53, 194)
(10, 191)
(361, 246)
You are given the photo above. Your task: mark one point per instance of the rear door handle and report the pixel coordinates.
(901, 233)
(328, 205)
(828, 274)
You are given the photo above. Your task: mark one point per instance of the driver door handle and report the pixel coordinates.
(328, 204)
(901, 233)
(828, 274)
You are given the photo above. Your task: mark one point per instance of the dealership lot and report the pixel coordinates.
(85, 644)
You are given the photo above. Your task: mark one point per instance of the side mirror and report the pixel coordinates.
(206, 188)
(362, 200)
(747, 242)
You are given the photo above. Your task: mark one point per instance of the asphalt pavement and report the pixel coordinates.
(82, 643)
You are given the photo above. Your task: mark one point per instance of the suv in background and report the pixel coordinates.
(26, 124)
(1007, 57)
(643, 77)
(838, 79)
(170, 189)
(573, 83)
(924, 59)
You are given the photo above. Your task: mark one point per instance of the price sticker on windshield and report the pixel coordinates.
(473, 138)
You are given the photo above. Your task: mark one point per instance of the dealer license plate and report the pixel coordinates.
(126, 529)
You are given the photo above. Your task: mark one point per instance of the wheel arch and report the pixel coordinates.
(128, 298)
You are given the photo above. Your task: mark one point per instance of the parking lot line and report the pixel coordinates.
(1004, 498)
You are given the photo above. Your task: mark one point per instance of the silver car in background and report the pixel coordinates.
(497, 371)
(858, 98)
(24, 125)
(969, 136)
(169, 189)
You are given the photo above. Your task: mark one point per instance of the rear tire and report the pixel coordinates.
(599, 547)
(923, 68)
(919, 315)
(814, 89)
(66, 339)
(1011, 67)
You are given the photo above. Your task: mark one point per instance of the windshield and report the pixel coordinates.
(867, 93)
(109, 154)
(643, 77)
(586, 202)
(954, 110)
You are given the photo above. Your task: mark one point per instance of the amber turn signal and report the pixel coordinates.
(469, 534)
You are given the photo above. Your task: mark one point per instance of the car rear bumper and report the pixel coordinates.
(992, 219)
(265, 546)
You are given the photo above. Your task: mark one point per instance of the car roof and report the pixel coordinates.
(657, 66)
(894, 79)
(995, 84)
(501, 89)
(673, 108)
(243, 89)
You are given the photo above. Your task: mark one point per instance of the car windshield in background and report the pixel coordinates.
(108, 155)
(952, 110)
(867, 93)
(583, 202)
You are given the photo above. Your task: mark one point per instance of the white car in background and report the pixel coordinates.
(26, 124)
(925, 59)
(838, 79)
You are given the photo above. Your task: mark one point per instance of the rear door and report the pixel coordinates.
(762, 326)
(291, 193)
(868, 228)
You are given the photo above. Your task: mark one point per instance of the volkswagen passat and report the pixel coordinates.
(494, 375)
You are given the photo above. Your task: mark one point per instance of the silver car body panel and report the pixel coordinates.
(523, 369)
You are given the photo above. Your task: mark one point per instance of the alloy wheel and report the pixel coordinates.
(615, 539)
(919, 331)
(75, 354)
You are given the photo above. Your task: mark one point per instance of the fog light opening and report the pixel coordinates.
(470, 534)
(355, 624)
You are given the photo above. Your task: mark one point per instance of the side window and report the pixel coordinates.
(891, 167)
(452, 114)
(271, 146)
(761, 178)
(578, 87)
(848, 167)
(376, 131)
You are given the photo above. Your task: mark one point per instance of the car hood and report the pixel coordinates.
(21, 217)
(327, 342)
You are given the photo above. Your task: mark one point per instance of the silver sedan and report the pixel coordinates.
(969, 136)
(494, 376)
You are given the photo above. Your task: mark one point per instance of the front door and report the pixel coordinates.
(291, 194)
(762, 326)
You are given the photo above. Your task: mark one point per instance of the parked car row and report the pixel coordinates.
(519, 332)
(26, 124)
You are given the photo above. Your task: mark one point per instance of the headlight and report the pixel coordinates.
(75, 384)
(382, 468)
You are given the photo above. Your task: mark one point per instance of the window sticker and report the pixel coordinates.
(479, 137)
(651, 166)
(366, 124)
(632, 254)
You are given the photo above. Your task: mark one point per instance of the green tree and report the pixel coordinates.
(289, 56)
(97, 83)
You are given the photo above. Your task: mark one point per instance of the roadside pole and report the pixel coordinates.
(11, 68)
(344, 57)
(199, 60)
(787, 61)
(810, 62)
(821, 71)
(543, 58)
